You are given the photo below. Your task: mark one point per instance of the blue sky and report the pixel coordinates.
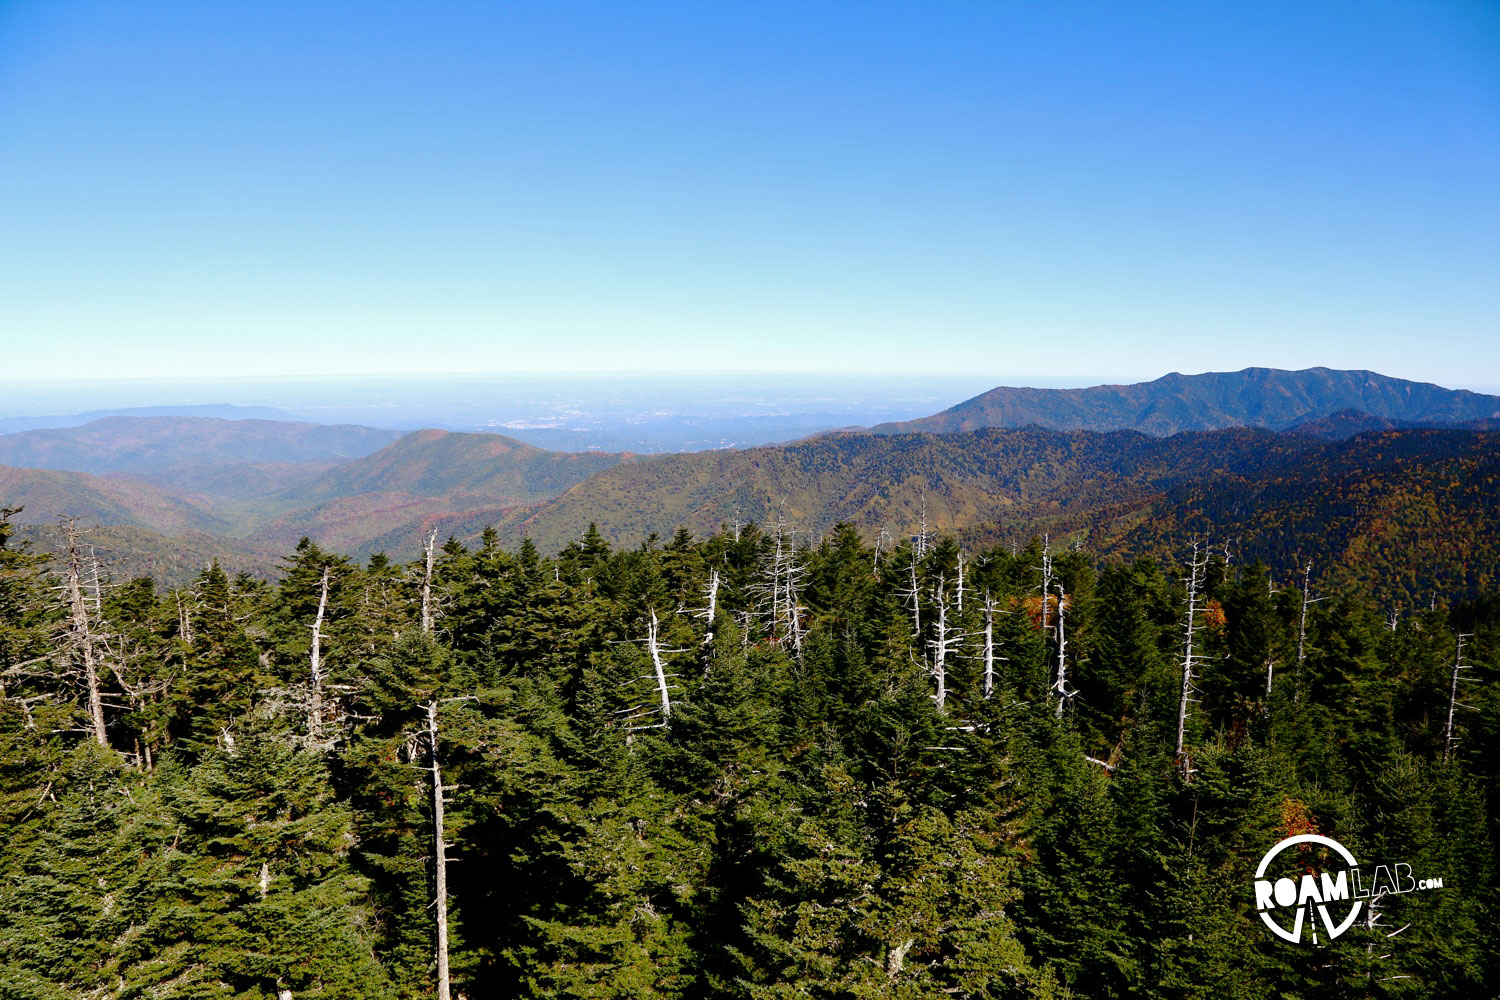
(1059, 189)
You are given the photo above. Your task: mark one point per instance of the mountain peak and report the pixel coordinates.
(1252, 397)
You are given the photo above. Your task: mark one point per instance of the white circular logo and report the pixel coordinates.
(1306, 892)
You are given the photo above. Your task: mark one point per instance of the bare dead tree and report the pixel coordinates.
(661, 671)
(987, 647)
(82, 636)
(662, 682)
(1064, 692)
(184, 620)
(315, 657)
(1046, 569)
(945, 639)
(912, 592)
(793, 575)
(710, 610)
(1189, 658)
(1307, 600)
(919, 544)
(778, 587)
(881, 541)
(429, 553)
(958, 594)
(440, 847)
(1450, 739)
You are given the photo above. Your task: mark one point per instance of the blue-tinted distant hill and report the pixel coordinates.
(224, 411)
(1255, 397)
(143, 444)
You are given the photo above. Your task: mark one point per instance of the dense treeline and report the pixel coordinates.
(736, 766)
(1400, 514)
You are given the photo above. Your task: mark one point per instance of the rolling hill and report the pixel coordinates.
(156, 444)
(382, 500)
(435, 463)
(1255, 397)
(47, 494)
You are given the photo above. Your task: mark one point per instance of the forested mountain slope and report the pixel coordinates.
(1254, 397)
(436, 463)
(1401, 513)
(1354, 505)
(1011, 477)
(154, 444)
(46, 495)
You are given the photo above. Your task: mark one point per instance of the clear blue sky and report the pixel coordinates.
(1018, 188)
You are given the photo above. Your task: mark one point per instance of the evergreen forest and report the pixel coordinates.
(758, 763)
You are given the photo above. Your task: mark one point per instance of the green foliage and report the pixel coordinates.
(807, 820)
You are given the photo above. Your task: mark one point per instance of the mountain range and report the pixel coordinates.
(1254, 397)
(1344, 467)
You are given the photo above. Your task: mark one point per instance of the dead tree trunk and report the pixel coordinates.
(1061, 687)
(792, 608)
(777, 590)
(1307, 600)
(184, 621)
(1046, 576)
(915, 593)
(1189, 660)
(940, 645)
(661, 682)
(661, 671)
(1449, 739)
(315, 657)
(429, 551)
(83, 638)
(440, 856)
(710, 611)
(959, 593)
(920, 546)
(989, 646)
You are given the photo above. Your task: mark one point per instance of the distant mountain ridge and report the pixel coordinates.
(1254, 397)
(1346, 484)
(225, 411)
(150, 444)
(385, 497)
